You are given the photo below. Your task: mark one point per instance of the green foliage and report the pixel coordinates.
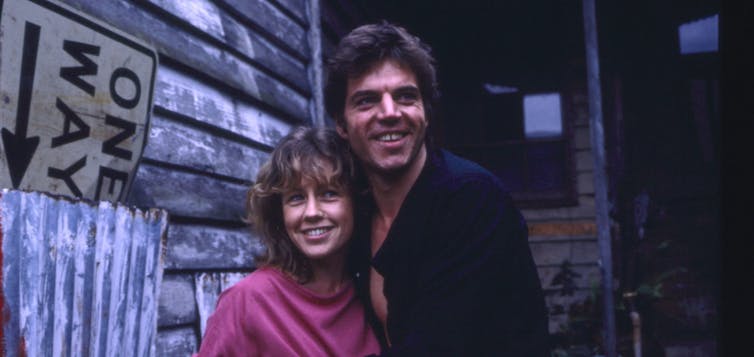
(584, 324)
(565, 279)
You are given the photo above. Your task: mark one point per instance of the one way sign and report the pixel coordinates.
(75, 98)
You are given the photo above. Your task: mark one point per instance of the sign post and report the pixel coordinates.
(75, 100)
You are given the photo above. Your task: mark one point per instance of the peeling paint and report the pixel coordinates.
(79, 278)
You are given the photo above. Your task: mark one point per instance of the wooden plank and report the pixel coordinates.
(186, 194)
(209, 287)
(271, 20)
(202, 15)
(201, 247)
(550, 238)
(295, 7)
(197, 53)
(288, 61)
(118, 278)
(584, 210)
(563, 228)
(581, 138)
(46, 280)
(36, 307)
(208, 18)
(64, 278)
(155, 257)
(83, 284)
(585, 182)
(584, 160)
(179, 144)
(70, 286)
(135, 284)
(178, 93)
(556, 252)
(11, 259)
(207, 291)
(176, 342)
(229, 279)
(176, 305)
(212, 285)
(103, 256)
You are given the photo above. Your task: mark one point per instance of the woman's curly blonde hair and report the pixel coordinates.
(318, 154)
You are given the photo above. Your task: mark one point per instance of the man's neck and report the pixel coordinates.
(389, 191)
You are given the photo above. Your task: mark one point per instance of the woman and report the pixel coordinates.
(301, 300)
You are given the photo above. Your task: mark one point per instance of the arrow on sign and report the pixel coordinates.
(18, 148)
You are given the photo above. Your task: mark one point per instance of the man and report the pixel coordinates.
(451, 271)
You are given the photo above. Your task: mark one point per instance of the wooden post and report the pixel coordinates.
(315, 66)
(600, 175)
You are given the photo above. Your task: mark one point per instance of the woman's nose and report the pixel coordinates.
(312, 210)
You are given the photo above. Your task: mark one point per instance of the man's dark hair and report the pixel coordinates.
(369, 44)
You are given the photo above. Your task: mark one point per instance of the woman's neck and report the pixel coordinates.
(328, 275)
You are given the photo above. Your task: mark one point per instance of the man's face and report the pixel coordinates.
(385, 120)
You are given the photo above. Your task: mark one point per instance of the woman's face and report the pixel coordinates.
(318, 219)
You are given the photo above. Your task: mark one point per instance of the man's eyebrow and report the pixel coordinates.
(361, 93)
(408, 87)
(367, 92)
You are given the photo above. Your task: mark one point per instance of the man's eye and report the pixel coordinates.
(407, 98)
(365, 101)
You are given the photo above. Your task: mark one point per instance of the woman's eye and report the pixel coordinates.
(294, 198)
(330, 194)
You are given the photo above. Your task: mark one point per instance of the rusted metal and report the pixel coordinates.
(79, 278)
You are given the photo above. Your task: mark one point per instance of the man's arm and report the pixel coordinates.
(478, 288)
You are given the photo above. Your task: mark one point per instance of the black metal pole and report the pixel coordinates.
(600, 175)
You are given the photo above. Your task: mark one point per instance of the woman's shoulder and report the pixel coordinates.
(257, 284)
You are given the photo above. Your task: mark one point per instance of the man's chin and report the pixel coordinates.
(388, 168)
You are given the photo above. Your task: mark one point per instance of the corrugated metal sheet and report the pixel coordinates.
(79, 278)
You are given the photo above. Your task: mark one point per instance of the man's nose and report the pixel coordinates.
(388, 109)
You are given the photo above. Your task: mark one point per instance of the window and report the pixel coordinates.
(524, 143)
(698, 36)
(542, 116)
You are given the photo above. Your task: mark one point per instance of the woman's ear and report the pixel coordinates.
(340, 128)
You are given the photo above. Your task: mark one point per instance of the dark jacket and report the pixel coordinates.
(459, 276)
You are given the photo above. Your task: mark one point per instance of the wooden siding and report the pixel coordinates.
(568, 234)
(79, 278)
(234, 77)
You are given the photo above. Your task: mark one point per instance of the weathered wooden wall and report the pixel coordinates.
(233, 78)
(569, 233)
(78, 278)
(557, 235)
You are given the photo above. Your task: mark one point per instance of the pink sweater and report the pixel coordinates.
(269, 314)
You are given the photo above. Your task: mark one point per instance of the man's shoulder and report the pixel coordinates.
(453, 172)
